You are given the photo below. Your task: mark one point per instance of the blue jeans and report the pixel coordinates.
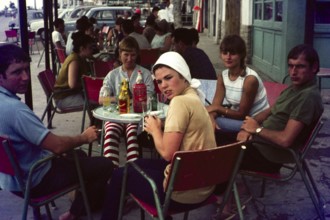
(228, 124)
(137, 185)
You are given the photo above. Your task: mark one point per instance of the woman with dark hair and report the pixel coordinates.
(73, 68)
(240, 91)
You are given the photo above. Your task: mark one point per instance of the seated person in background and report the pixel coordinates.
(73, 68)
(58, 35)
(199, 63)
(289, 122)
(154, 13)
(128, 30)
(32, 141)
(136, 22)
(187, 128)
(162, 38)
(128, 52)
(149, 31)
(240, 91)
(115, 35)
(82, 25)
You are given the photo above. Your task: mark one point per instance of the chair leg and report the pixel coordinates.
(36, 213)
(142, 214)
(263, 188)
(185, 216)
(238, 202)
(41, 56)
(316, 201)
(49, 214)
(53, 205)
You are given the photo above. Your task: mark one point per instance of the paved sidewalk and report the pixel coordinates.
(281, 201)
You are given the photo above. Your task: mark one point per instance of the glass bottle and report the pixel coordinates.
(123, 98)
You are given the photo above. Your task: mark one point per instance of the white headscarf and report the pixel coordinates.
(175, 61)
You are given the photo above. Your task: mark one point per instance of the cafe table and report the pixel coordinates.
(114, 116)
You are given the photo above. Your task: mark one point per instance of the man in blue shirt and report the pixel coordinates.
(32, 141)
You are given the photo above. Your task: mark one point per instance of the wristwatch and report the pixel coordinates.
(258, 130)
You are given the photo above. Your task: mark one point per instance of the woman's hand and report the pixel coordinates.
(152, 124)
(214, 124)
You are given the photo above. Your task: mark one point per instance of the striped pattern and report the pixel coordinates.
(113, 132)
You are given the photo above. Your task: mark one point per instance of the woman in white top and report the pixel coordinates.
(240, 91)
(162, 38)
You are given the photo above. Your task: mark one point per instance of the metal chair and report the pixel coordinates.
(91, 86)
(148, 57)
(47, 81)
(192, 170)
(290, 168)
(102, 68)
(12, 36)
(273, 90)
(10, 166)
(32, 41)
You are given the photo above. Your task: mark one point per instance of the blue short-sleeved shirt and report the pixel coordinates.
(26, 131)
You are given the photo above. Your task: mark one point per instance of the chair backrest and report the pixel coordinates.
(32, 35)
(105, 29)
(47, 81)
(92, 86)
(8, 162)
(148, 57)
(60, 53)
(208, 87)
(102, 68)
(203, 168)
(11, 33)
(309, 141)
(5, 165)
(273, 90)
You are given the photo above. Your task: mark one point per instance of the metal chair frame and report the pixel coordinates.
(47, 81)
(192, 170)
(10, 166)
(298, 164)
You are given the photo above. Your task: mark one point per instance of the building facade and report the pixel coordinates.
(270, 28)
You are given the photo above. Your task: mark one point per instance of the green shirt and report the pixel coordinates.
(304, 105)
(62, 81)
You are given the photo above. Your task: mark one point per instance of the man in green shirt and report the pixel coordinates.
(289, 122)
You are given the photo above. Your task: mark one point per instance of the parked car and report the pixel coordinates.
(108, 15)
(69, 15)
(32, 15)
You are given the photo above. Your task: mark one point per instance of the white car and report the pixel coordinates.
(38, 26)
(32, 15)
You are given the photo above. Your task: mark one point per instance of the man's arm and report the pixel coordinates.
(60, 144)
(284, 138)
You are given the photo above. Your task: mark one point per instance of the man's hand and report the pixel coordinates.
(250, 125)
(243, 136)
(90, 134)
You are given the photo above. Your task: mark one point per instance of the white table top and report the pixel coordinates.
(106, 115)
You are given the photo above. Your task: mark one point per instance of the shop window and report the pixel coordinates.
(268, 10)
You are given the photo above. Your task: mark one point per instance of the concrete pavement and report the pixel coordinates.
(282, 200)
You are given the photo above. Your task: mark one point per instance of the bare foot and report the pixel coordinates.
(67, 216)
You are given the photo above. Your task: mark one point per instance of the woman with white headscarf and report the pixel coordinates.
(187, 127)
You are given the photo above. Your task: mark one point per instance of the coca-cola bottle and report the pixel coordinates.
(123, 98)
(139, 94)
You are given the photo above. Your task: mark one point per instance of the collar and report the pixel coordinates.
(306, 85)
(8, 93)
